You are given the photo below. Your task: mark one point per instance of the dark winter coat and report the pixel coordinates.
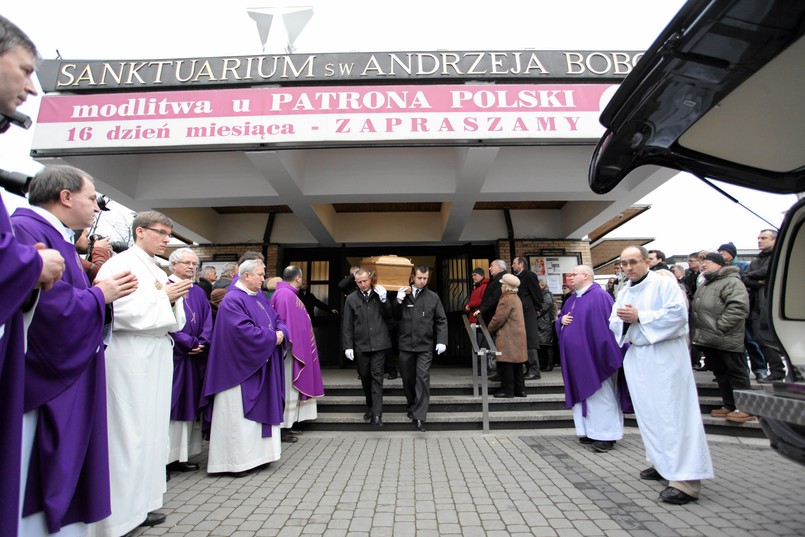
(546, 314)
(509, 330)
(423, 323)
(489, 302)
(364, 325)
(719, 311)
(531, 297)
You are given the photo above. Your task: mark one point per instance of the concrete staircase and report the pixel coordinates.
(453, 407)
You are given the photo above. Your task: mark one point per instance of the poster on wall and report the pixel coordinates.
(555, 269)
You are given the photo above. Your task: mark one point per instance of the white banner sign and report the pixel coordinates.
(408, 114)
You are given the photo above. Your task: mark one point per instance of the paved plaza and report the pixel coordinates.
(518, 483)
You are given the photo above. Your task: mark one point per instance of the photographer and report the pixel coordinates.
(99, 250)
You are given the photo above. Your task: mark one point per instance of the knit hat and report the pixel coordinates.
(511, 280)
(479, 271)
(729, 247)
(715, 257)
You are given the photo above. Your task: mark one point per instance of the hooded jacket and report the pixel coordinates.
(719, 310)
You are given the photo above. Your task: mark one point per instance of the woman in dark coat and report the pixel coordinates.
(545, 318)
(510, 339)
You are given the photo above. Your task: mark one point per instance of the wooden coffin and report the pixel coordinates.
(390, 271)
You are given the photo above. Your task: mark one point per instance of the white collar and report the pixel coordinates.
(245, 289)
(65, 231)
(583, 289)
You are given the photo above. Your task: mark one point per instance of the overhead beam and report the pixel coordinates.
(472, 169)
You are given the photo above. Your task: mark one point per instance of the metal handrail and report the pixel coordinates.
(479, 363)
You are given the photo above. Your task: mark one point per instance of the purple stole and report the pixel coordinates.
(65, 379)
(306, 373)
(590, 355)
(20, 267)
(188, 370)
(244, 352)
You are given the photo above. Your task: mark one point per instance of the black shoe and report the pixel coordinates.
(183, 467)
(410, 415)
(549, 368)
(420, 425)
(602, 446)
(167, 474)
(295, 432)
(521, 394)
(153, 519)
(376, 421)
(533, 374)
(585, 440)
(288, 437)
(494, 378)
(676, 496)
(367, 415)
(502, 395)
(771, 378)
(392, 375)
(651, 474)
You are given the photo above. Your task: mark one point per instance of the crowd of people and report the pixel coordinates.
(112, 371)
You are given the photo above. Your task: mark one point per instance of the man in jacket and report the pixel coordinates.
(718, 312)
(366, 339)
(422, 324)
(489, 300)
(756, 359)
(755, 279)
(531, 297)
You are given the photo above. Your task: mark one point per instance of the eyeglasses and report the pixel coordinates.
(188, 263)
(161, 232)
(630, 263)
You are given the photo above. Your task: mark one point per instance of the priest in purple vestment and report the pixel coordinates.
(243, 387)
(303, 382)
(65, 380)
(190, 348)
(22, 269)
(591, 364)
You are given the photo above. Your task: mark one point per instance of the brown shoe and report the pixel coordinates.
(720, 412)
(740, 417)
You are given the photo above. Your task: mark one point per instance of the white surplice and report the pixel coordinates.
(604, 419)
(660, 379)
(237, 443)
(295, 409)
(139, 377)
(184, 440)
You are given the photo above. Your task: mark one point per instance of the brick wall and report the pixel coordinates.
(205, 252)
(533, 246)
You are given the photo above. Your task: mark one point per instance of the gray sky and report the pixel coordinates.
(686, 215)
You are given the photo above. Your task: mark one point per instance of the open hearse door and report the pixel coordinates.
(719, 95)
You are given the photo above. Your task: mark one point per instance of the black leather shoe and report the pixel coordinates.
(153, 519)
(183, 466)
(288, 438)
(376, 421)
(502, 395)
(410, 415)
(521, 394)
(420, 425)
(494, 378)
(367, 415)
(585, 440)
(602, 446)
(651, 474)
(676, 496)
(392, 375)
(771, 378)
(549, 368)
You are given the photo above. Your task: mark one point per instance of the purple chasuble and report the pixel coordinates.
(244, 352)
(306, 372)
(188, 369)
(20, 267)
(589, 353)
(65, 379)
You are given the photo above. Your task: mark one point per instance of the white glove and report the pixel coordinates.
(440, 348)
(350, 354)
(381, 292)
(401, 294)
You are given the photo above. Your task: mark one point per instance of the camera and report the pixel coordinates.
(117, 246)
(15, 182)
